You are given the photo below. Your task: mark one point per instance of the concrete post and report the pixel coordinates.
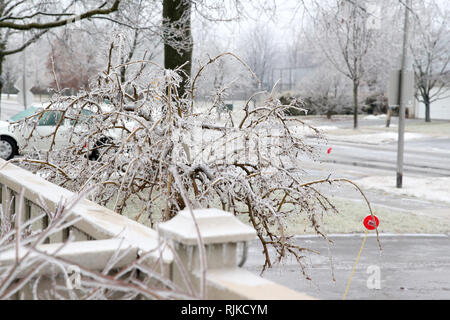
(220, 231)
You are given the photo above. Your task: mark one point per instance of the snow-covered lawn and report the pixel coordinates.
(376, 138)
(351, 215)
(375, 117)
(426, 188)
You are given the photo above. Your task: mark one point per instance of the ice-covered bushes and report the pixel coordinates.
(251, 165)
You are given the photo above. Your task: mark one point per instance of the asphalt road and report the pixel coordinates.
(410, 267)
(424, 157)
(427, 156)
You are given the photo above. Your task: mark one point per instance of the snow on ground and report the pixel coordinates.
(326, 128)
(377, 138)
(437, 189)
(305, 130)
(374, 117)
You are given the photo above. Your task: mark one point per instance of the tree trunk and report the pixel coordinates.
(427, 111)
(388, 117)
(178, 49)
(355, 105)
(123, 70)
(122, 74)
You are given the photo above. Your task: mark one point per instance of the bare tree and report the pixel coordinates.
(342, 34)
(33, 19)
(178, 43)
(138, 23)
(430, 50)
(177, 34)
(326, 91)
(259, 51)
(72, 62)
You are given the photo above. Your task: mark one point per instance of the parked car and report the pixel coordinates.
(12, 141)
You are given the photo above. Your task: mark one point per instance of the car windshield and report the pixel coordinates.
(84, 117)
(23, 114)
(49, 117)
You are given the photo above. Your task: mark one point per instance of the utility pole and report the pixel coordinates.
(24, 82)
(403, 98)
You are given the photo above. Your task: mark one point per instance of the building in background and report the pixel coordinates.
(439, 110)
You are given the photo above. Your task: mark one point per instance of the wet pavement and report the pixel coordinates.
(409, 267)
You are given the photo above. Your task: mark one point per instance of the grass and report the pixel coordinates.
(352, 213)
(348, 220)
(434, 128)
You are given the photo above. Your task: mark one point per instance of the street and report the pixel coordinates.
(410, 267)
(425, 157)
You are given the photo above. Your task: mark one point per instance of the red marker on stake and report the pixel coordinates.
(329, 150)
(370, 223)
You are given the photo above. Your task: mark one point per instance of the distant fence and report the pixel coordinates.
(99, 231)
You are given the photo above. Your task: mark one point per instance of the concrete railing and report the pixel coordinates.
(98, 230)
